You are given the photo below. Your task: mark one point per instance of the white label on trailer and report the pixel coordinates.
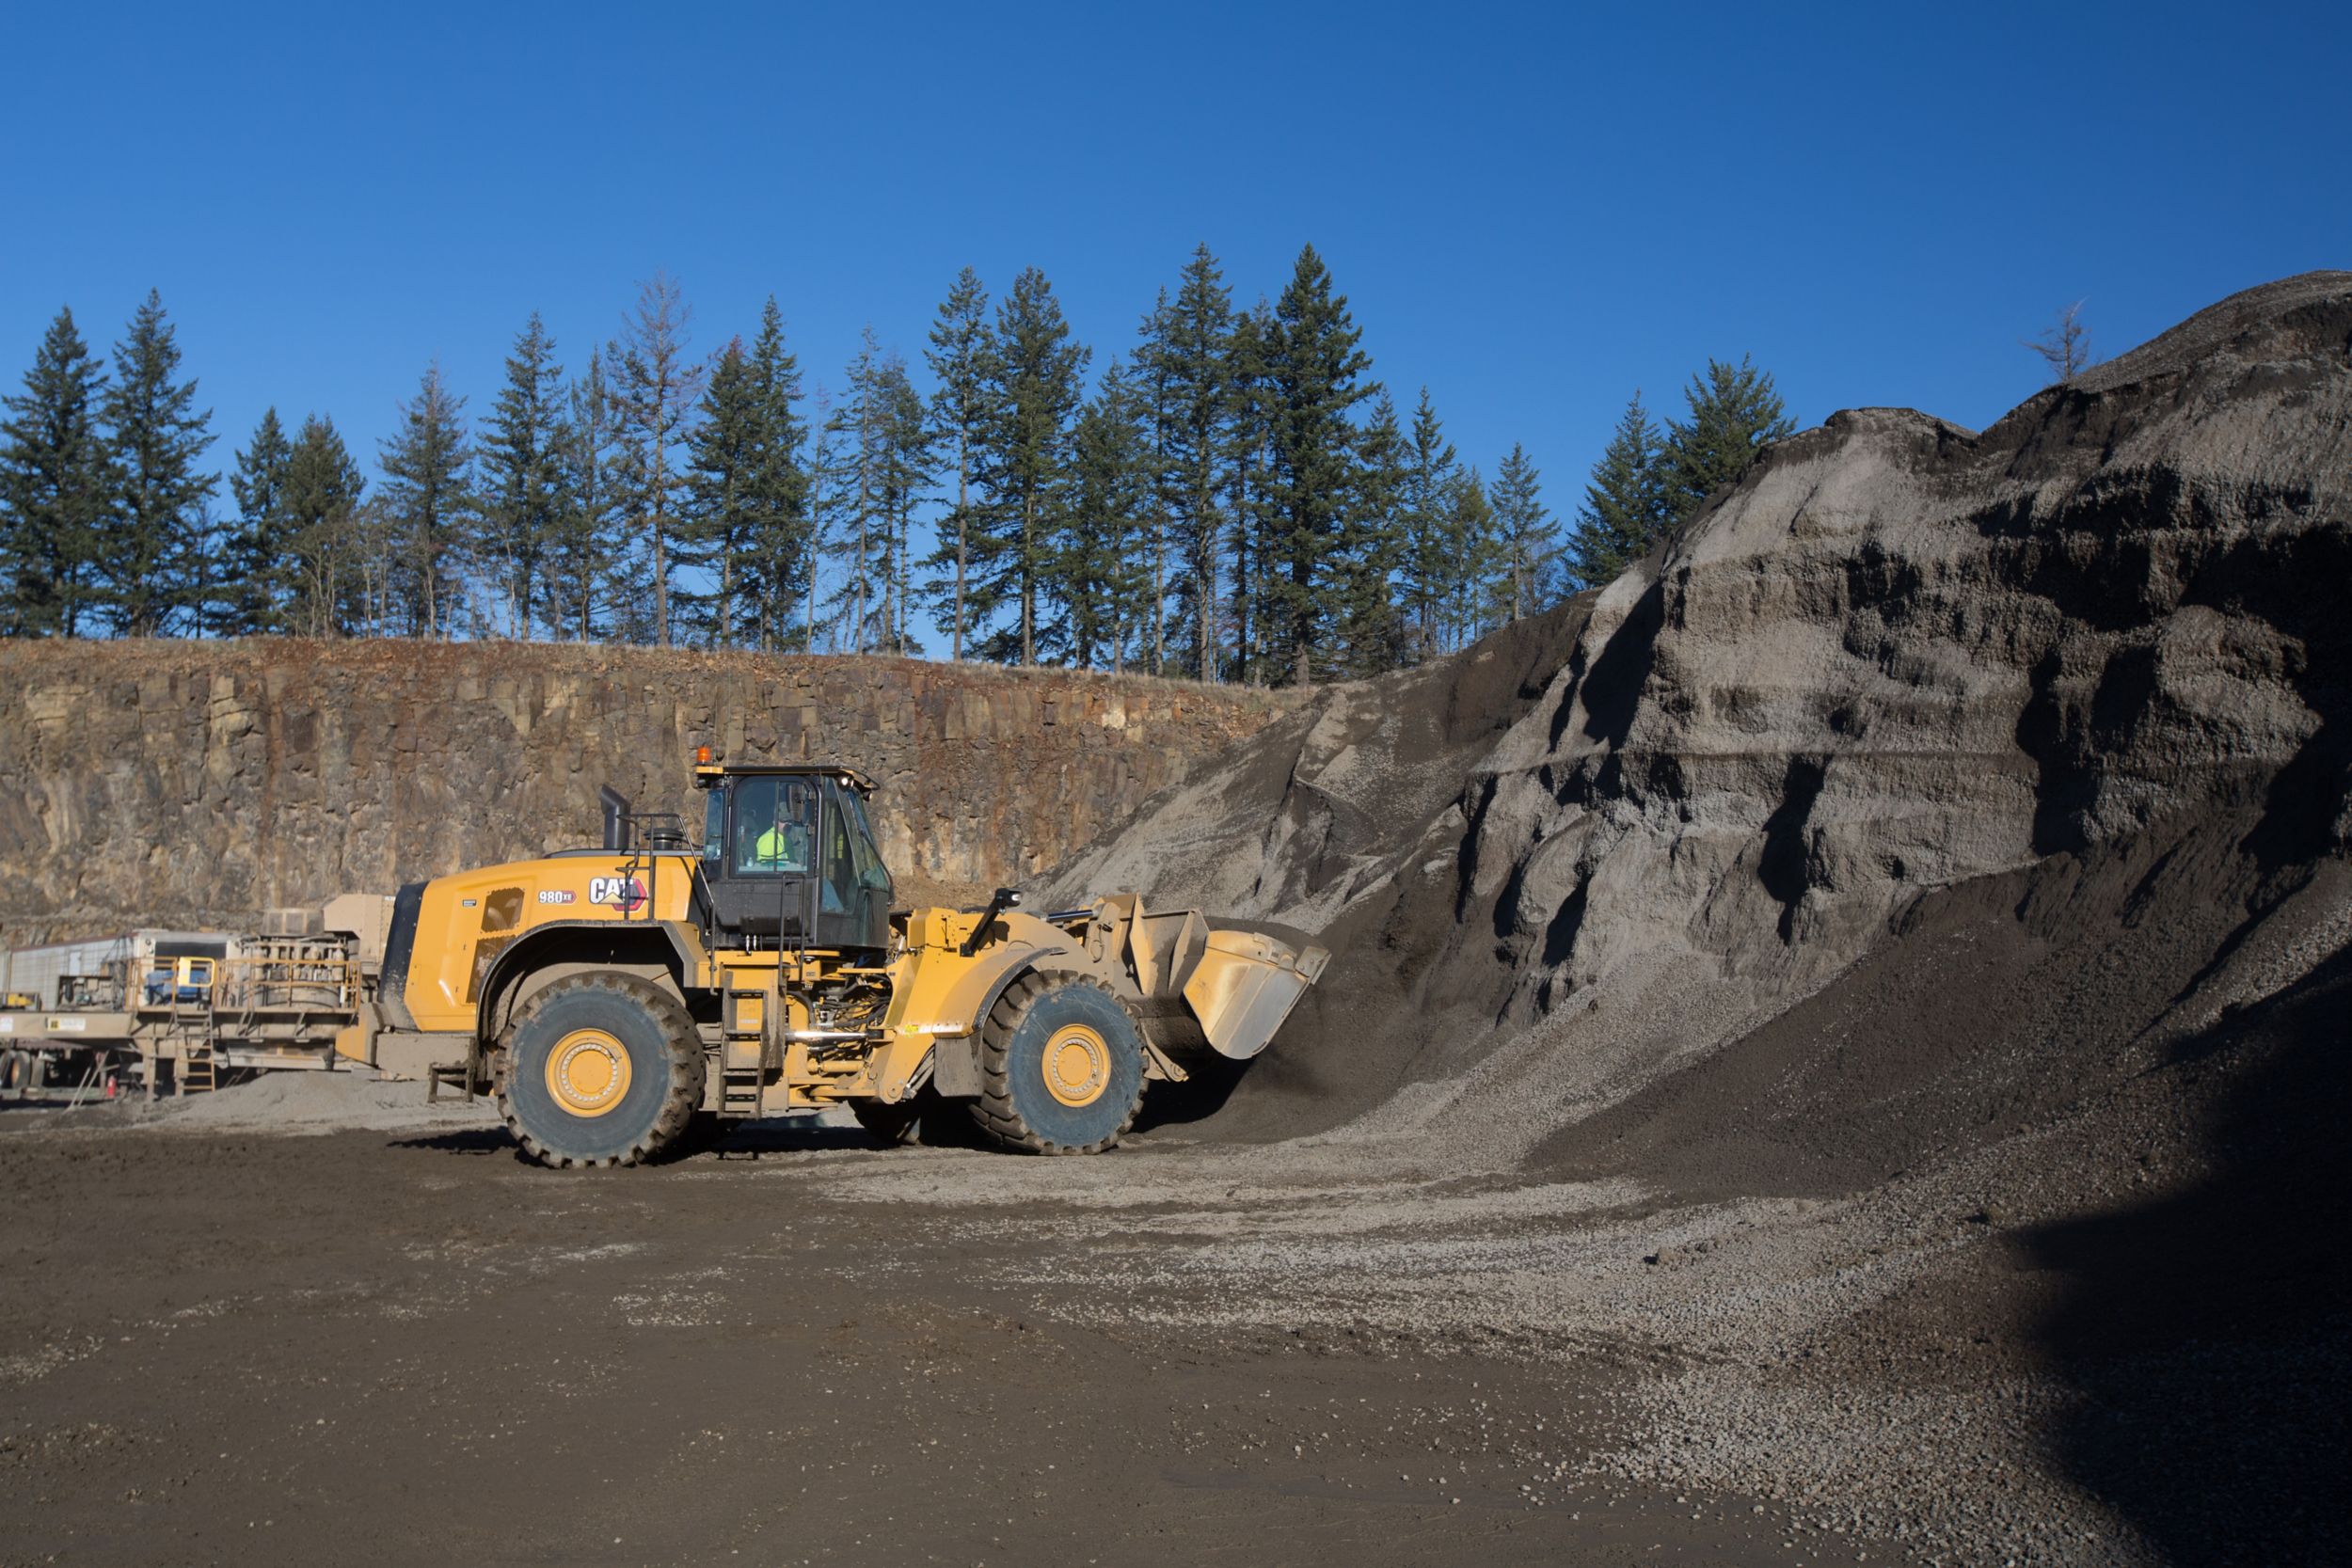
(7, 1027)
(68, 1026)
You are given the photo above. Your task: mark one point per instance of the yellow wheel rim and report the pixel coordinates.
(588, 1072)
(1078, 1065)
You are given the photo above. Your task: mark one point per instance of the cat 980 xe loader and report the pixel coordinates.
(608, 996)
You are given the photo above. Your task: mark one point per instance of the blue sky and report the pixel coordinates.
(1533, 210)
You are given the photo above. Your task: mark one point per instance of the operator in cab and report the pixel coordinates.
(783, 846)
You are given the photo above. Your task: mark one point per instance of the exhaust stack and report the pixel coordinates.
(616, 813)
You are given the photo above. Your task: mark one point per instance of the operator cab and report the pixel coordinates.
(790, 858)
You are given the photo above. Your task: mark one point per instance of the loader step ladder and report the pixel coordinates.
(742, 1072)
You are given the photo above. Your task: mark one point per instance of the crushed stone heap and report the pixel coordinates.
(2078, 675)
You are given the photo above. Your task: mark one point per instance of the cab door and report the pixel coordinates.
(759, 857)
(854, 894)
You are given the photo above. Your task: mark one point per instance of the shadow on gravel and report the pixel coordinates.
(2210, 1331)
(1197, 1098)
(750, 1139)
(784, 1135)
(473, 1140)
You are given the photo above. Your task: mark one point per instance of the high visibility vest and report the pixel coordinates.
(775, 847)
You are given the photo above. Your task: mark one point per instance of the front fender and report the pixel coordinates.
(943, 997)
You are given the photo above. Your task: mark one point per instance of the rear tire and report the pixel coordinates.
(601, 1068)
(1061, 1066)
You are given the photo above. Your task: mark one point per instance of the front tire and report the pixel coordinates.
(602, 1068)
(1061, 1066)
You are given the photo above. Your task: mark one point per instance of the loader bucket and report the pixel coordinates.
(1245, 985)
(1236, 982)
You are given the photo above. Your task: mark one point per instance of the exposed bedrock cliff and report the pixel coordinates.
(193, 784)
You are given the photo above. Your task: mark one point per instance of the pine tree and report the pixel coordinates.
(1249, 437)
(1152, 386)
(826, 485)
(1104, 560)
(429, 489)
(1734, 414)
(906, 476)
(776, 551)
(1033, 399)
(254, 576)
(1433, 556)
(1625, 504)
(155, 436)
(961, 359)
(1314, 366)
(722, 457)
(1471, 521)
(337, 585)
(1368, 625)
(863, 518)
(879, 445)
(582, 547)
(54, 480)
(1524, 537)
(522, 479)
(1195, 358)
(208, 577)
(654, 387)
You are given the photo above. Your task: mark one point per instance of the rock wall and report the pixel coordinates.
(164, 783)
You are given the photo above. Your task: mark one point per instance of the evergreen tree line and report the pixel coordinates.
(1235, 498)
(1650, 480)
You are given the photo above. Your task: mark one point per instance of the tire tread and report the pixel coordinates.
(687, 1065)
(994, 1111)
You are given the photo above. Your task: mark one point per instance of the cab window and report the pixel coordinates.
(839, 880)
(867, 852)
(772, 826)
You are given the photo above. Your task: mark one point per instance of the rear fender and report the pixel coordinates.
(658, 952)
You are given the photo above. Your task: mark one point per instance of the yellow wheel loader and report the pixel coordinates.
(610, 996)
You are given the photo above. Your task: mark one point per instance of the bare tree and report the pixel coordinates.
(654, 390)
(2066, 346)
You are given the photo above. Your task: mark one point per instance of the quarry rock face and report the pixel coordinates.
(195, 784)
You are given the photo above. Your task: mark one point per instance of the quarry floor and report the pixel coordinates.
(310, 1317)
(403, 1345)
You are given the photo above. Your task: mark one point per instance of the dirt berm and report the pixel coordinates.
(1948, 828)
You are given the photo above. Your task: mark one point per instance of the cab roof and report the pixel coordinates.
(709, 775)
